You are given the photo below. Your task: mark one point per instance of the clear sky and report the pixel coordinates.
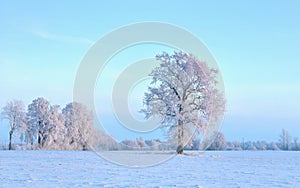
(256, 44)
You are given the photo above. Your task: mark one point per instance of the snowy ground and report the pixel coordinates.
(209, 169)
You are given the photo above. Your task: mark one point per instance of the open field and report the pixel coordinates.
(208, 169)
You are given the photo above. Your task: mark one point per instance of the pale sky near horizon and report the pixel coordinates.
(256, 45)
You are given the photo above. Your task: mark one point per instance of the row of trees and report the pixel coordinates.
(285, 142)
(108, 143)
(46, 126)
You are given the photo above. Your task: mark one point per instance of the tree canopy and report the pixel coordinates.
(184, 94)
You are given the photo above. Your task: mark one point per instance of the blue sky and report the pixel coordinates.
(256, 45)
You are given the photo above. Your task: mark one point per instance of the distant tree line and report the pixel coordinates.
(217, 142)
(285, 142)
(108, 143)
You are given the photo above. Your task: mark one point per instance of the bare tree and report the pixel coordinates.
(14, 112)
(184, 95)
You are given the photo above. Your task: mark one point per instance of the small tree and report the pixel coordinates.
(219, 142)
(184, 95)
(296, 144)
(285, 140)
(14, 112)
(273, 146)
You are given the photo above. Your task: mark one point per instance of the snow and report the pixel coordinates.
(208, 169)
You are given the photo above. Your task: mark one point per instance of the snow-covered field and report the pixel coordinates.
(209, 169)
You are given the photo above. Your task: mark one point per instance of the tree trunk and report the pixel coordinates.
(179, 149)
(10, 139)
(39, 138)
(180, 145)
(44, 138)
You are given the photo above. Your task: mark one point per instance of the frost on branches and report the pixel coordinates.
(184, 94)
(79, 123)
(53, 128)
(14, 112)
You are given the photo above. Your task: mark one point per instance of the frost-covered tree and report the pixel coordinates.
(219, 142)
(184, 94)
(272, 146)
(141, 142)
(285, 140)
(15, 114)
(79, 123)
(130, 144)
(249, 146)
(106, 142)
(37, 121)
(56, 130)
(261, 145)
(153, 144)
(296, 146)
